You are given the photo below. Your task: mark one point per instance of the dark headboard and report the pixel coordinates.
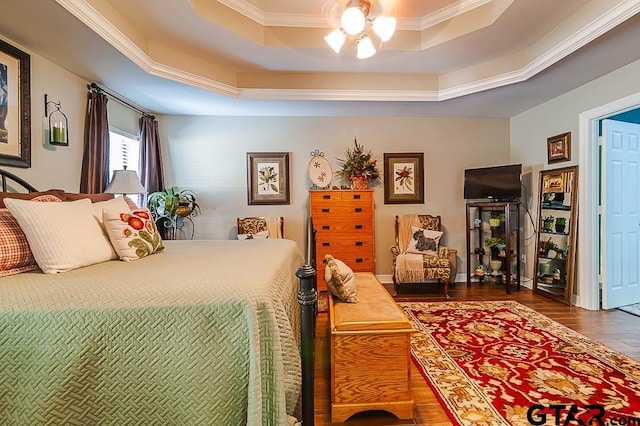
(9, 181)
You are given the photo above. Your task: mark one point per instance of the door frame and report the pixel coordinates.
(588, 177)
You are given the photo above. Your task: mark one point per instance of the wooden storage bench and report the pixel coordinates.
(370, 356)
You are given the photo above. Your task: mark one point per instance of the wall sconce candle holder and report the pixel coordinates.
(58, 123)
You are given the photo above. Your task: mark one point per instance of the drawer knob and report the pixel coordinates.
(358, 227)
(325, 210)
(359, 260)
(356, 196)
(358, 209)
(326, 244)
(326, 227)
(359, 243)
(326, 197)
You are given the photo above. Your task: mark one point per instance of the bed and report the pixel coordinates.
(202, 333)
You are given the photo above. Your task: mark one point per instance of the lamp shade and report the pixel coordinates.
(353, 20)
(336, 39)
(125, 182)
(365, 48)
(384, 26)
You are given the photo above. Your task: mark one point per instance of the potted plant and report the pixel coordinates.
(173, 202)
(496, 219)
(561, 224)
(495, 244)
(547, 223)
(358, 167)
(546, 246)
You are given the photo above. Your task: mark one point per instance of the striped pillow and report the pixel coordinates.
(15, 254)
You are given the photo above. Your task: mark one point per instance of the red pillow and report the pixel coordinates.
(28, 196)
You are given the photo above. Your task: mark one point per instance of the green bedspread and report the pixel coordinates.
(206, 333)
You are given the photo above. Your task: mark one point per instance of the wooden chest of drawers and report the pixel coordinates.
(343, 221)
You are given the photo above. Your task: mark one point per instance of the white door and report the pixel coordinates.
(621, 224)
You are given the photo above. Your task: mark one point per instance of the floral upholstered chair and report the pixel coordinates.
(260, 227)
(418, 256)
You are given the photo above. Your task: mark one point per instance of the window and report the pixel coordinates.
(124, 152)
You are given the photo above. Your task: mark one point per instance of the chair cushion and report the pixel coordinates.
(257, 236)
(424, 241)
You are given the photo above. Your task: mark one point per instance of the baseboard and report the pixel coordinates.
(385, 278)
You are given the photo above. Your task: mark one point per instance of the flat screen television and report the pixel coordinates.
(500, 183)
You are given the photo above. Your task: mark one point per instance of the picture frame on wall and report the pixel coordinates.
(15, 106)
(268, 178)
(404, 178)
(559, 148)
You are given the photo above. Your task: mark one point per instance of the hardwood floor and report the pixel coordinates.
(616, 329)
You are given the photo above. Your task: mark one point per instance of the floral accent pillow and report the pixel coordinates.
(133, 234)
(424, 241)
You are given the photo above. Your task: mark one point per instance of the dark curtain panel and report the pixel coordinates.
(95, 160)
(151, 174)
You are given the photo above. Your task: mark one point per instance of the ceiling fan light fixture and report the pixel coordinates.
(365, 48)
(335, 39)
(358, 26)
(384, 27)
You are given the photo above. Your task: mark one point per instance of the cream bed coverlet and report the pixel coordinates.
(205, 333)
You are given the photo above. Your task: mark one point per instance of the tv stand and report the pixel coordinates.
(489, 222)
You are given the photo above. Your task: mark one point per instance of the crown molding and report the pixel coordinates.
(449, 12)
(100, 25)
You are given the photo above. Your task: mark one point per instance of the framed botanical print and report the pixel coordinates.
(15, 106)
(559, 148)
(404, 178)
(268, 178)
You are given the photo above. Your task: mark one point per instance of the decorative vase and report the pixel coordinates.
(543, 268)
(495, 266)
(359, 182)
(560, 228)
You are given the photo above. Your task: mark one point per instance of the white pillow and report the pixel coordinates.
(117, 203)
(340, 279)
(424, 241)
(62, 236)
(259, 236)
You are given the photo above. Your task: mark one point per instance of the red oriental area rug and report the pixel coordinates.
(502, 363)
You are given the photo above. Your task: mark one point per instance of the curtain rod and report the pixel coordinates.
(116, 97)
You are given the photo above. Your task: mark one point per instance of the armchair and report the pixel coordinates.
(253, 225)
(417, 267)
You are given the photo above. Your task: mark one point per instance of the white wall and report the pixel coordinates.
(530, 130)
(54, 166)
(208, 154)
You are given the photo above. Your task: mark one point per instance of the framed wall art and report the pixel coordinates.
(404, 178)
(15, 106)
(559, 148)
(268, 178)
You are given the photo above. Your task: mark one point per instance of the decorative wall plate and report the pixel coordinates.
(320, 171)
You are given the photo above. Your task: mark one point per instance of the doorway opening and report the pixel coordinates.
(589, 184)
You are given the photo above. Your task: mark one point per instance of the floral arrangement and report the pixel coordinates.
(358, 163)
